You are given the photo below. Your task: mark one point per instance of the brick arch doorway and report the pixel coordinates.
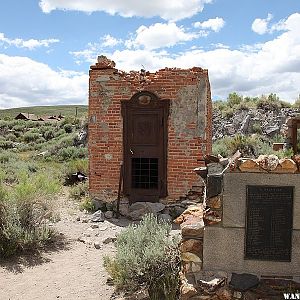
(145, 136)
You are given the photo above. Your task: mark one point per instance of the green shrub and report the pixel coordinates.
(68, 128)
(252, 146)
(77, 165)
(270, 102)
(219, 105)
(146, 257)
(228, 113)
(17, 234)
(6, 145)
(55, 148)
(64, 141)
(32, 167)
(234, 99)
(244, 106)
(19, 127)
(68, 153)
(87, 204)
(219, 147)
(59, 133)
(278, 138)
(23, 212)
(7, 156)
(256, 128)
(33, 124)
(30, 136)
(40, 140)
(285, 104)
(297, 103)
(48, 135)
(79, 191)
(247, 145)
(11, 137)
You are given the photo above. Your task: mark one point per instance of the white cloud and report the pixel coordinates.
(168, 10)
(260, 26)
(215, 24)
(25, 82)
(160, 35)
(110, 41)
(270, 67)
(221, 46)
(273, 66)
(90, 53)
(156, 36)
(87, 55)
(29, 44)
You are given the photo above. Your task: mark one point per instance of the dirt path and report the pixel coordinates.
(72, 270)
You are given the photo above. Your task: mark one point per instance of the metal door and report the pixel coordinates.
(145, 143)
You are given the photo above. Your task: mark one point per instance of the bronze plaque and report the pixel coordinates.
(269, 222)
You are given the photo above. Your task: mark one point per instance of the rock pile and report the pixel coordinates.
(266, 122)
(266, 164)
(166, 211)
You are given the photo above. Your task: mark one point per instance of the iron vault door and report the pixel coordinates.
(145, 147)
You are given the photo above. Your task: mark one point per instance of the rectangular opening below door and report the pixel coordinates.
(144, 173)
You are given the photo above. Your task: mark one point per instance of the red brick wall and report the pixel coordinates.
(189, 123)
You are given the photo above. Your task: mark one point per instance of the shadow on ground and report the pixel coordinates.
(29, 259)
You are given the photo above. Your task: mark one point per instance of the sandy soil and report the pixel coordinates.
(72, 269)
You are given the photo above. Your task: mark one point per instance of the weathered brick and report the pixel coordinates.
(189, 130)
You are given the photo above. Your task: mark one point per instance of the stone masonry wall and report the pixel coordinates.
(189, 123)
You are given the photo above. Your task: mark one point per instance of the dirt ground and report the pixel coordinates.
(72, 269)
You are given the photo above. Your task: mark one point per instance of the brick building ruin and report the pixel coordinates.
(157, 124)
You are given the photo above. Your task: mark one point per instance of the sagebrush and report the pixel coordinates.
(24, 212)
(147, 257)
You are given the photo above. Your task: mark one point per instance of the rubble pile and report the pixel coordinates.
(267, 164)
(164, 210)
(265, 122)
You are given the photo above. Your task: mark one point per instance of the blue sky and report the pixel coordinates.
(46, 46)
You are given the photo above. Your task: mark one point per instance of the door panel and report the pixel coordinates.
(145, 129)
(145, 140)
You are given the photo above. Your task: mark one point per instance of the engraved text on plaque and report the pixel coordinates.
(269, 222)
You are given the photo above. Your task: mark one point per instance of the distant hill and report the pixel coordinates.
(65, 110)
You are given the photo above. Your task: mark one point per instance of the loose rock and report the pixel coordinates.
(187, 291)
(94, 226)
(97, 216)
(97, 245)
(165, 217)
(109, 240)
(109, 214)
(243, 282)
(191, 245)
(139, 209)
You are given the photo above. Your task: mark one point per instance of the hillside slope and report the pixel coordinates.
(65, 110)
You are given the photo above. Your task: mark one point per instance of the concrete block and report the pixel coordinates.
(234, 196)
(223, 250)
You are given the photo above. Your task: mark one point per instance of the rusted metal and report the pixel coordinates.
(145, 147)
(120, 189)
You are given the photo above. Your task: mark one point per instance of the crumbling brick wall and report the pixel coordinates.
(189, 122)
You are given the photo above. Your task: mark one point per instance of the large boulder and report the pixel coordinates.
(194, 210)
(192, 227)
(139, 209)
